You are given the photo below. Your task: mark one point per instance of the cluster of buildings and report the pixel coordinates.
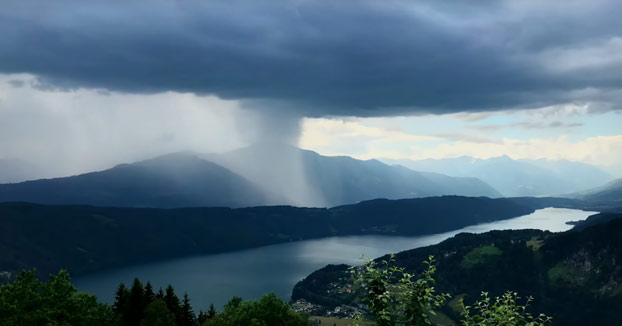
(305, 307)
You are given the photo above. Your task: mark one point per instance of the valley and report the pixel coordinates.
(277, 268)
(310, 163)
(85, 239)
(182, 219)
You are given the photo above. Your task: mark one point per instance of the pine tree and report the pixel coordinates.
(187, 315)
(160, 294)
(121, 298)
(172, 303)
(211, 313)
(149, 295)
(121, 304)
(202, 317)
(136, 304)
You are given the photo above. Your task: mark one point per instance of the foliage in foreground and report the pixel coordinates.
(394, 298)
(269, 310)
(504, 310)
(28, 301)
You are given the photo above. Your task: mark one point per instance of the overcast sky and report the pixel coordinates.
(88, 84)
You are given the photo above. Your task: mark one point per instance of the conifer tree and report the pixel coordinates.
(202, 317)
(160, 294)
(121, 299)
(172, 303)
(187, 315)
(136, 304)
(211, 313)
(149, 295)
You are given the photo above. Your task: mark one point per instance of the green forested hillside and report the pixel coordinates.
(573, 276)
(85, 238)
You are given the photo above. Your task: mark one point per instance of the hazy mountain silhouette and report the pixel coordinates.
(173, 180)
(264, 174)
(307, 178)
(610, 192)
(517, 177)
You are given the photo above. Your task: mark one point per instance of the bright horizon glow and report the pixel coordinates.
(569, 132)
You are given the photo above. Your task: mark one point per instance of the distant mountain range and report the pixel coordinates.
(265, 174)
(517, 177)
(309, 179)
(609, 193)
(174, 180)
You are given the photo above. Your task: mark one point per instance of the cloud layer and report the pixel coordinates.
(69, 132)
(318, 58)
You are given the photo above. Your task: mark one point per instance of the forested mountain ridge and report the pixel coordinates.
(85, 238)
(564, 271)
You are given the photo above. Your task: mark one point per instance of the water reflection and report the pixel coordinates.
(251, 273)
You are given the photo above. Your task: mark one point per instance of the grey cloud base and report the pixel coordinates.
(323, 58)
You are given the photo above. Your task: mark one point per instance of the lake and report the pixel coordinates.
(276, 268)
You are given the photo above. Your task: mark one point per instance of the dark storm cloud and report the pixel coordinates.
(325, 57)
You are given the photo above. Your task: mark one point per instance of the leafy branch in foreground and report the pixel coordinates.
(395, 297)
(504, 311)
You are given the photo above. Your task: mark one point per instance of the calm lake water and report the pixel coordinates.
(276, 268)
